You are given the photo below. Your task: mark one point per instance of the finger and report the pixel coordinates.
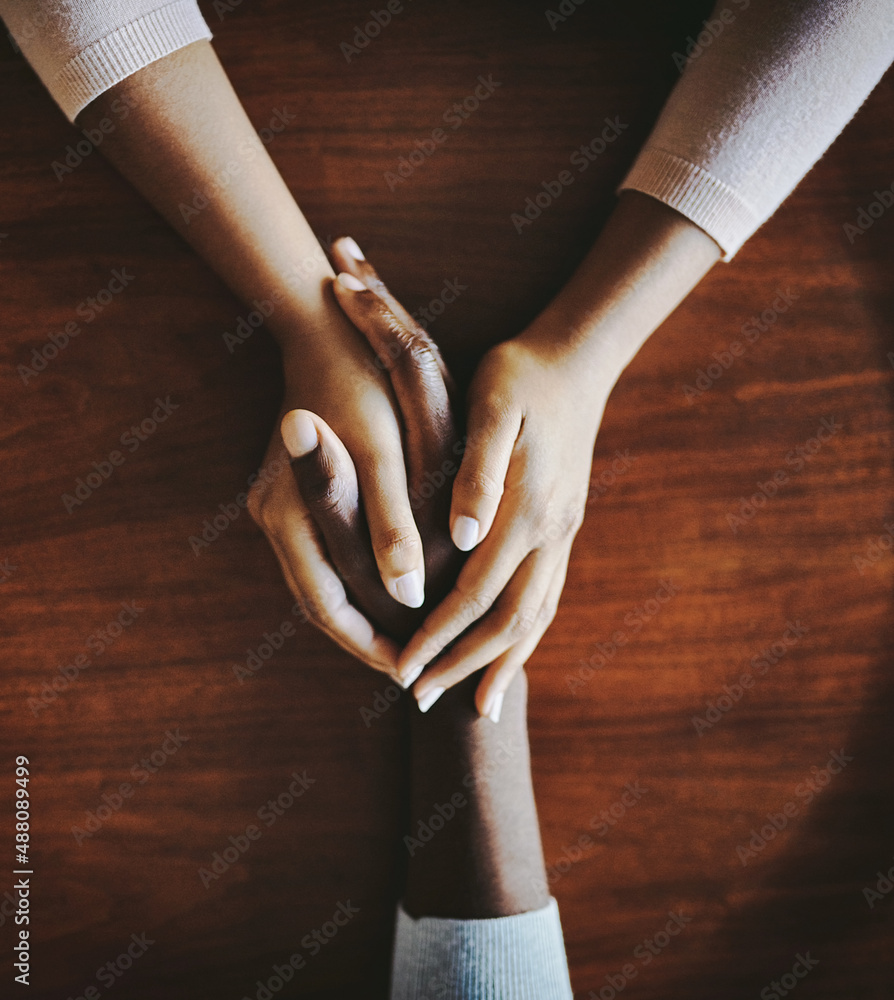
(479, 484)
(386, 505)
(500, 674)
(514, 615)
(327, 606)
(299, 550)
(348, 257)
(327, 482)
(480, 582)
(413, 368)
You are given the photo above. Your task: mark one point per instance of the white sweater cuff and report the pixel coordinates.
(694, 192)
(506, 958)
(76, 80)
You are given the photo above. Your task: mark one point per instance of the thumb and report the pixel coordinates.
(478, 487)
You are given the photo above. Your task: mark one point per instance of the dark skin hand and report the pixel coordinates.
(325, 474)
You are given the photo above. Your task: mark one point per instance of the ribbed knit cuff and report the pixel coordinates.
(120, 54)
(506, 958)
(703, 198)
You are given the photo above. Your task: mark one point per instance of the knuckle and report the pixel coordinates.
(259, 504)
(562, 522)
(396, 541)
(479, 484)
(520, 622)
(475, 603)
(325, 493)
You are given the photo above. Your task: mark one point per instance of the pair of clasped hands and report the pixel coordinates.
(391, 527)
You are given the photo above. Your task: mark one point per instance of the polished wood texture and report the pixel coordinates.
(663, 518)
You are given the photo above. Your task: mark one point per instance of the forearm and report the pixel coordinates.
(474, 778)
(644, 263)
(190, 149)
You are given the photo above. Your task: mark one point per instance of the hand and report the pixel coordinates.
(518, 501)
(336, 376)
(325, 473)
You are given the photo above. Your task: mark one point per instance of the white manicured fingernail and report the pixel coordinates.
(410, 590)
(349, 281)
(427, 700)
(465, 532)
(410, 675)
(350, 245)
(496, 707)
(300, 435)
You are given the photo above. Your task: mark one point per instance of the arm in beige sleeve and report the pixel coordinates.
(768, 86)
(81, 48)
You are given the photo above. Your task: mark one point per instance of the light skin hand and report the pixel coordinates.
(524, 479)
(185, 131)
(536, 404)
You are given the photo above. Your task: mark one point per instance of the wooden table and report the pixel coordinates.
(157, 685)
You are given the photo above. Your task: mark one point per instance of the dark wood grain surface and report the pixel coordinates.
(600, 721)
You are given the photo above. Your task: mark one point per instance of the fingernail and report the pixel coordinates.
(410, 590)
(349, 281)
(427, 700)
(465, 532)
(410, 674)
(350, 245)
(496, 707)
(300, 435)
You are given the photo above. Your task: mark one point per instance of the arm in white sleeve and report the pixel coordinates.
(774, 84)
(81, 48)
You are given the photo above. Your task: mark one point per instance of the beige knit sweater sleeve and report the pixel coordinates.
(767, 87)
(80, 48)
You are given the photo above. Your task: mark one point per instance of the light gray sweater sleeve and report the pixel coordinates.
(506, 958)
(81, 48)
(767, 87)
